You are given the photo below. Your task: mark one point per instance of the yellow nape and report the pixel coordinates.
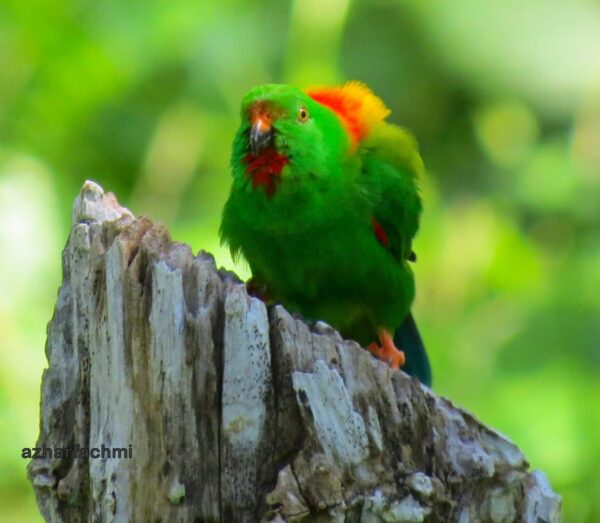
(355, 104)
(372, 108)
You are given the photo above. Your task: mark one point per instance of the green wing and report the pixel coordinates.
(390, 170)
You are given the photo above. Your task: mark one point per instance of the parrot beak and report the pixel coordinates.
(261, 133)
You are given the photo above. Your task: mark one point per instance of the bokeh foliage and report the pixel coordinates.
(504, 97)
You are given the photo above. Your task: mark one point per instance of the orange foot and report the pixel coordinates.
(258, 290)
(388, 350)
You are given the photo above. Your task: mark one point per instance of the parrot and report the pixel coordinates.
(324, 206)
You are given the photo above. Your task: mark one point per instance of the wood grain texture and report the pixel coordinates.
(236, 412)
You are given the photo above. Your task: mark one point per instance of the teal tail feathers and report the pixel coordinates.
(408, 339)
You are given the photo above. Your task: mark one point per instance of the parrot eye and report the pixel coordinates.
(302, 115)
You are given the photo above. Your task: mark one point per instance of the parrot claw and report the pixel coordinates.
(388, 351)
(258, 290)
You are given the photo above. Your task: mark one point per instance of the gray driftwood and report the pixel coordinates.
(236, 412)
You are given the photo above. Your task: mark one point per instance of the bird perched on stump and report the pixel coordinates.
(324, 206)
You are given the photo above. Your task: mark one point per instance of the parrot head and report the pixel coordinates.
(277, 110)
(288, 132)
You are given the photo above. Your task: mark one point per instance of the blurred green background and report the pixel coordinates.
(504, 97)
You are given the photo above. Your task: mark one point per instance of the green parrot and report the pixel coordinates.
(324, 206)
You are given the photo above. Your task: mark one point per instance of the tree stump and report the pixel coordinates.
(230, 411)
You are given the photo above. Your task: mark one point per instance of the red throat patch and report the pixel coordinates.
(265, 169)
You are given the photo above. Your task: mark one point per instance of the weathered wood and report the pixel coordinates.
(235, 412)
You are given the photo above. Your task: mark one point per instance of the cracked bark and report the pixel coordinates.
(235, 412)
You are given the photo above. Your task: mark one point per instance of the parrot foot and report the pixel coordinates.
(388, 351)
(258, 290)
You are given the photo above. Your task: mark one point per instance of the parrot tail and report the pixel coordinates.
(408, 339)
